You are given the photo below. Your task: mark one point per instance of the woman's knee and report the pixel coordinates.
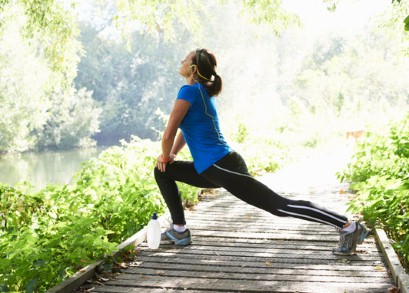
(157, 173)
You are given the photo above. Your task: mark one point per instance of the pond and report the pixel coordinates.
(43, 168)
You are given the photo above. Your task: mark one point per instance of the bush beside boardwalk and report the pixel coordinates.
(379, 172)
(47, 236)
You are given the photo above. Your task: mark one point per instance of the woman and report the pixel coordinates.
(215, 164)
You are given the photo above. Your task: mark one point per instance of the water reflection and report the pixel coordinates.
(43, 168)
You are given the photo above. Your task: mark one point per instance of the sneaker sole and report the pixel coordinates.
(344, 254)
(183, 242)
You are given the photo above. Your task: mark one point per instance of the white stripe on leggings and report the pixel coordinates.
(318, 211)
(220, 168)
(290, 213)
(308, 217)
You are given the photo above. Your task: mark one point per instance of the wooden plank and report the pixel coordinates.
(264, 235)
(256, 276)
(300, 252)
(240, 243)
(252, 260)
(258, 228)
(377, 272)
(260, 264)
(246, 255)
(398, 272)
(139, 290)
(189, 283)
(232, 262)
(75, 281)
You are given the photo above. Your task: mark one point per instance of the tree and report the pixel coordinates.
(401, 9)
(73, 119)
(35, 79)
(53, 24)
(133, 87)
(23, 78)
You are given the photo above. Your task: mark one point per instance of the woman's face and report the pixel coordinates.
(185, 67)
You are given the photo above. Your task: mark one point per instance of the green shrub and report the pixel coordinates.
(48, 235)
(379, 172)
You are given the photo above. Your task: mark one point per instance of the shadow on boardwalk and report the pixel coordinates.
(238, 248)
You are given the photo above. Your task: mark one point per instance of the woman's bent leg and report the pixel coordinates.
(181, 171)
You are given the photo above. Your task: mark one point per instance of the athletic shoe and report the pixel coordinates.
(348, 241)
(173, 237)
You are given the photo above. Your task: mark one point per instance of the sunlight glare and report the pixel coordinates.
(348, 16)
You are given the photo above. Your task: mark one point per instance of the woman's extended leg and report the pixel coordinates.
(231, 173)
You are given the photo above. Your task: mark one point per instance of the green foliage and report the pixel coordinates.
(270, 12)
(22, 75)
(135, 88)
(43, 240)
(406, 22)
(263, 155)
(159, 17)
(37, 110)
(379, 172)
(331, 4)
(48, 235)
(54, 25)
(121, 186)
(404, 4)
(73, 119)
(396, 20)
(242, 133)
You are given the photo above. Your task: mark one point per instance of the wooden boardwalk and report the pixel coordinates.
(238, 248)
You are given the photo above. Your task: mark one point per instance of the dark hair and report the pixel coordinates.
(206, 71)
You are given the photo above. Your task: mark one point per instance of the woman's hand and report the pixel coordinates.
(162, 162)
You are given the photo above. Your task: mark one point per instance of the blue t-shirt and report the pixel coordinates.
(201, 128)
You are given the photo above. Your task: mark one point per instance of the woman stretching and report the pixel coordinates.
(215, 164)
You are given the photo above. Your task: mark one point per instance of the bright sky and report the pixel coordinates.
(349, 15)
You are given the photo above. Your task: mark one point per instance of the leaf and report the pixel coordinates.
(31, 286)
(379, 268)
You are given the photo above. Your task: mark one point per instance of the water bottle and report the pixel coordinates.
(153, 233)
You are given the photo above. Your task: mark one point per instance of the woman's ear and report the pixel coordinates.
(192, 68)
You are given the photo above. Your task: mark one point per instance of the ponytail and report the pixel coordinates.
(206, 74)
(215, 86)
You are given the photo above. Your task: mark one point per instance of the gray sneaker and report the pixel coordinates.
(348, 241)
(171, 236)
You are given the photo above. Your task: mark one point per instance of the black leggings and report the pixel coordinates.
(231, 173)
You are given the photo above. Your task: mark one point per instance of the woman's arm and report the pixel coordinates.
(178, 145)
(168, 140)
